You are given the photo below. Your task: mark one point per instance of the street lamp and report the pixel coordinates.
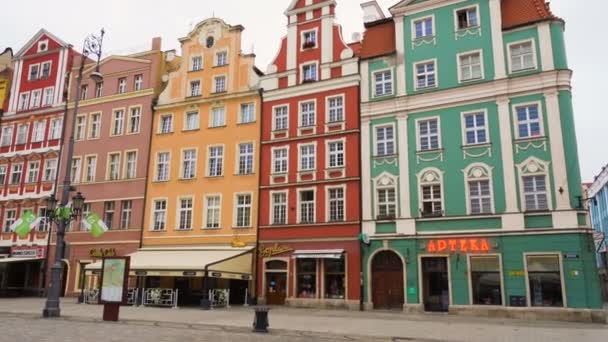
(62, 216)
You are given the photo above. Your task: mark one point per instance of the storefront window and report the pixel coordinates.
(334, 279)
(544, 277)
(486, 280)
(307, 278)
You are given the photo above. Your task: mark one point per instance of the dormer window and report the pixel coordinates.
(309, 39)
(43, 45)
(309, 73)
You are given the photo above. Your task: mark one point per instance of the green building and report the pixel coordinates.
(471, 181)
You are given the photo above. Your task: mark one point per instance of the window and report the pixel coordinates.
(216, 161)
(91, 167)
(22, 134)
(38, 134)
(309, 39)
(192, 121)
(185, 214)
(36, 98)
(243, 211)
(122, 85)
(131, 165)
(307, 114)
(428, 134)
(470, 67)
(220, 84)
(188, 164)
(246, 159)
(385, 141)
(139, 82)
(56, 126)
(383, 83)
(221, 58)
(114, 166)
(214, 205)
(33, 171)
(7, 136)
(99, 89)
(307, 206)
(134, 120)
(431, 201)
(43, 45)
(34, 72)
(108, 214)
(467, 18)
(307, 157)
(84, 92)
(280, 118)
(544, 280)
(119, 122)
(336, 154)
(95, 128)
(475, 128)
(335, 280)
(280, 160)
(162, 166)
(486, 280)
(46, 70)
(10, 215)
(309, 72)
(48, 96)
(197, 63)
(279, 208)
(247, 113)
(50, 170)
(480, 197)
(159, 220)
(218, 117)
(387, 203)
(423, 28)
(23, 101)
(335, 108)
(528, 121)
(75, 170)
(2, 175)
(81, 122)
(522, 56)
(307, 278)
(45, 223)
(535, 193)
(425, 75)
(336, 205)
(195, 88)
(126, 210)
(166, 124)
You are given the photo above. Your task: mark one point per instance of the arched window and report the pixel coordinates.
(534, 185)
(386, 197)
(480, 197)
(431, 192)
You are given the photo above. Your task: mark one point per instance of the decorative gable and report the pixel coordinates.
(41, 42)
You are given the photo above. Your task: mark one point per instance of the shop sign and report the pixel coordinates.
(458, 245)
(571, 256)
(36, 252)
(267, 252)
(102, 252)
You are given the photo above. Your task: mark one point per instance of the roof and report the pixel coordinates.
(524, 12)
(35, 38)
(378, 39)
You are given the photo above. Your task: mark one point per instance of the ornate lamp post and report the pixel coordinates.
(63, 215)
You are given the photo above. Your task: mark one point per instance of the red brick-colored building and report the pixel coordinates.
(309, 253)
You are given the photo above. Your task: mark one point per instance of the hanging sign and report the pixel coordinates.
(458, 245)
(268, 251)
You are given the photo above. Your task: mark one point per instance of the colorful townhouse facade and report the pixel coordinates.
(597, 203)
(30, 143)
(308, 248)
(470, 165)
(112, 132)
(6, 76)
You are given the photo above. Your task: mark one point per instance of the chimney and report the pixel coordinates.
(156, 43)
(372, 11)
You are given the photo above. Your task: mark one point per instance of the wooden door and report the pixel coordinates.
(276, 288)
(387, 281)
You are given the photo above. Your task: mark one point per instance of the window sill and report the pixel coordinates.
(215, 177)
(221, 65)
(165, 133)
(386, 156)
(469, 146)
(219, 92)
(161, 181)
(418, 39)
(191, 130)
(523, 70)
(246, 123)
(530, 139)
(158, 231)
(195, 70)
(426, 88)
(242, 228)
(244, 174)
(186, 179)
(213, 127)
(435, 150)
(193, 96)
(183, 230)
(471, 80)
(381, 96)
(542, 212)
(280, 130)
(463, 29)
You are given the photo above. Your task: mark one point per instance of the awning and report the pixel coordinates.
(233, 263)
(13, 260)
(319, 254)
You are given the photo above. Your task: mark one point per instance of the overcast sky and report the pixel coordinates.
(130, 25)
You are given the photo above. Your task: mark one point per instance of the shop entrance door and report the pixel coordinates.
(276, 288)
(387, 281)
(435, 284)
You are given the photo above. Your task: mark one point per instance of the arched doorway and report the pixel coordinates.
(276, 282)
(387, 281)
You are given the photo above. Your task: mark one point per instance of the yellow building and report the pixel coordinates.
(6, 59)
(201, 202)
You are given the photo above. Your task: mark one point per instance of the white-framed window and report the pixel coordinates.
(76, 168)
(45, 223)
(163, 163)
(131, 164)
(385, 140)
(221, 58)
(335, 109)
(475, 128)
(113, 166)
(3, 175)
(50, 170)
(122, 85)
(486, 279)
(139, 82)
(56, 125)
(126, 212)
(33, 170)
(95, 126)
(245, 159)
(34, 72)
(535, 192)
(480, 196)
(46, 70)
(213, 208)
(428, 134)
(81, 124)
(243, 210)
(166, 124)
(383, 83)
(309, 39)
(424, 27)
(308, 156)
(90, 169)
(309, 72)
(426, 74)
(192, 121)
(22, 131)
(280, 160)
(431, 196)
(218, 117)
(279, 208)
(281, 118)
(470, 66)
(467, 18)
(306, 206)
(36, 98)
(545, 280)
(335, 151)
(118, 122)
(16, 172)
(10, 215)
(24, 101)
(220, 84)
(7, 136)
(108, 213)
(185, 213)
(49, 93)
(529, 121)
(189, 164)
(195, 88)
(134, 120)
(159, 216)
(99, 89)
(387, 202)
(216, 161)
(84, 92)
(38, 134)
(336, 204)
(247, 113)
(307, 114)
(197, 63)
(522, 56)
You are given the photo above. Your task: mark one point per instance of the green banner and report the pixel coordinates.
(24, 225)
(94, 224)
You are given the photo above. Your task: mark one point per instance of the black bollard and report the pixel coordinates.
(260, 320)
